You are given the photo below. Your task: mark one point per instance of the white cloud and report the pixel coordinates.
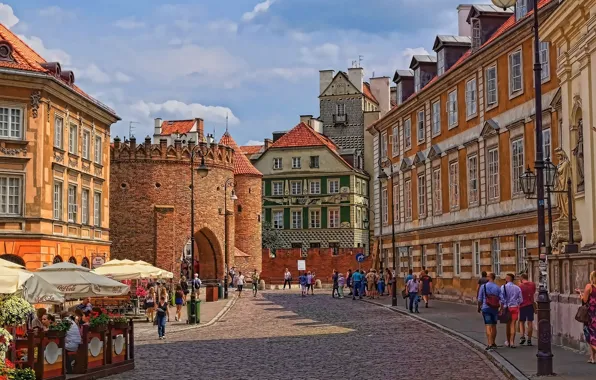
(7, 16)
(121, 77)
(93, 74)
(291, 74)
(223, 25)
(56, 13)
(299, 36)
(254, 142)
(184, 24)
(262, 7)
(180, 110)
(129, 23)
(50, 55)
(408, 53)
(326, 52)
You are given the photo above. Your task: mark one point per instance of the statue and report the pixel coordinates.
(561, 234)
(578, 152)
(563, 176)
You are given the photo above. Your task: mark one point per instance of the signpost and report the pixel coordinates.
(301, 265)
(360, 258)
(98, 261)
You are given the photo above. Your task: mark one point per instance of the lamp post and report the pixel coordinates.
(229, 183)
(203, 170)
(383, 176)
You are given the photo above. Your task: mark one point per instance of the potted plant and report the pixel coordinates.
(14, 311)
(119, 321)
(59, 329)
(98, 322)
(22, 374)
(5, 340)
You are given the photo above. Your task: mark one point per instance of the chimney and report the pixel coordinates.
(464, 29)
(356, 76)
(157, 126)
(325, 78)
(163, 146)
(317, 125)
(380, 89)
(306, 119)
(178, 145)
(268, 143)
(393, 95)
(117, 143)
(147, 146)
(277, 135)
(133, 145)
(199, 129)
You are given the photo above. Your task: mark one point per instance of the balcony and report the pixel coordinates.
(340, 119)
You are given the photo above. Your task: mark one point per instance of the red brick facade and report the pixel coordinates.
(248, 222)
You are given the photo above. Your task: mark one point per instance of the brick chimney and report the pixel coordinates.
(268, 143)
(147, 146)
(163, 146)
(117, 143)
(393, 95)
(325, 79)
(133, 145)
(200, 129)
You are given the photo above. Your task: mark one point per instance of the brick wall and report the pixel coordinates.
(321, 261)
(248, 234)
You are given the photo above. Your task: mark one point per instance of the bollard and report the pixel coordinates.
(262, 285)
(318, 284)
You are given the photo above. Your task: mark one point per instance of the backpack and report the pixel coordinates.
(491, 300)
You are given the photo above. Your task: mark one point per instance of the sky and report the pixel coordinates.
(255, 62)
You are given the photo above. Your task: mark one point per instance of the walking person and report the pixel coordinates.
(341, 282)
(308, 281)
(302, 281)
(163, 293)
(488, 303)
(313, 281)
(356, 280)
(349, 281)
(179, 300)
(371, 283)
(381, 284)
(363, 284)
(426, 283)
(335, 279)
(406, 280)
(526, 310)
(240, 283)
(232, 274)
(588, 296)
(389, 281)
(184, 286)
(150, 305)
(255, 282)
(511, 298)
(413, 288)
(162, 311)
(287, 279)
(196, 285)
(481, 281)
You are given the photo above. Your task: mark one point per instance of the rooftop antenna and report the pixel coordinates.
(354, 63)
(226, 123)
(360, 58)
(131, 128)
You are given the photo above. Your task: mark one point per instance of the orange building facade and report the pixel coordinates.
(54, 163)
(459, 138)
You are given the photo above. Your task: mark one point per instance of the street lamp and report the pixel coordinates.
(202, 170)
(229, 183)
(383, 177)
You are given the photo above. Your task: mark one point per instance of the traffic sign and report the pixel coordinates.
(360, 257)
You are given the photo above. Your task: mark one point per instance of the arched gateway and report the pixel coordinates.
(209, 255)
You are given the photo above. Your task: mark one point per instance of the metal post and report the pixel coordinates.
(226, 240)
(394, 284)
(550, 218)
(193, 299)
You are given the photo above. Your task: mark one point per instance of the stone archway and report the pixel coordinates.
(13, 259)
(210, 255)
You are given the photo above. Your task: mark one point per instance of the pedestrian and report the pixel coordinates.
(239, 283)
(162, 311)
(349, 281)
(413, 288)
(184, 286)
(255, 282)
(179, 300)
(381, 284)
(232, 274)
(511, 298)
(526, 309)
(164, 294)
(481, 281)
(287, 279)
(150, 305)
(357, 280)
(363, 284)
(302, 280)
(308, 281)
(427, 287)
(196, 285)
(313, 281)
(588, 296)
(389, 281)
(488, 303)
(371, 283)
(409, 276)
(335, 279)
(341, 282)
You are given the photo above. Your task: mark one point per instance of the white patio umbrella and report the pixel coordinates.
(159, 273)
(30, 286)
(79, 282)
(127, 270)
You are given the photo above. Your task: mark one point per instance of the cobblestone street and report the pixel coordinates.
(282, 336)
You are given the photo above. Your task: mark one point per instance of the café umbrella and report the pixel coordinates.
(78, 282)
(34, 289)
(127, 270)
(160, 273)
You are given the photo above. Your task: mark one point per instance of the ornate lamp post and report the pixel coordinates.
(383, 176)
(202, 170)
(229, 183)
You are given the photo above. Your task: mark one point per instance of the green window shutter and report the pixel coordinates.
(286, 218)
(323, 185)
(268, 217)
(344, 181)
(323, 217)
(344, 214)
(267, 188)
(305, 218)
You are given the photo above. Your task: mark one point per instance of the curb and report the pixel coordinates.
(500, 362)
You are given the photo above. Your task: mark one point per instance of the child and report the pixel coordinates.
(341, 282)
(302, 279)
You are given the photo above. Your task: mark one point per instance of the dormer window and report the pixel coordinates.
(417, 80)
(399, 94)
(521, 9)
(476, 36)
(441, 62)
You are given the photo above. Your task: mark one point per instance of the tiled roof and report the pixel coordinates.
(242, 165)
(27, 59)
(251, 149)
(303, 136)
(368, 93)
(176, 126)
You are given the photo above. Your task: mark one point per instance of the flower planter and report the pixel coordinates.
(98, 329)
(120, 325)
(55, 334)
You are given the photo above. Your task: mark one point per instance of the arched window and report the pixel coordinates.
(13, 259)
(72, 260)
(57, 259)
(85, 263)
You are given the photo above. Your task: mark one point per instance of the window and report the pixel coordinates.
(334, 245)
(333, 186)
(423, 256)
(58, 200)
(358, 220)
(421, 196)
(441, 62)
(277, 163)
(473, 180)
(544, 61)
(97, 209)
(408, 134)
(341, 109)
(58, 132)
(491, 86)
(436, 118)
(522, 252)
(495, 252)
(86, 144)
(493, 173)
(385, 205)
(315, 186)
(452, 108)
(314, 162)
(384, 146)
(73, 139)
(97, 150)
(408, 199)
(399, 95)
(417, 80)
(454, 185)
(72, 203)
(296, 219)
(517, 164)
(395, 203)
(315, 218)
(278, 188)
(395, 141)
(315, 245)
(420, 131)
(296, 187)
(11, 122)
(439, 259)
(546, 143)
(476, 34)
(85, 206)
(515, 72)
(10, 195)
(521, 9)
(333, 218)
(437, 195)
(296, 163)
(278, 219)
(457, 258)
(471, 104)
(476, 257)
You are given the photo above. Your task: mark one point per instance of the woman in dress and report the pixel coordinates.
(180, 296)
(150, 305)
(588, 295)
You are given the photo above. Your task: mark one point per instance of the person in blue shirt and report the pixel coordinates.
(357, 281)
(488, 303)
(409, 277)
(302, 281)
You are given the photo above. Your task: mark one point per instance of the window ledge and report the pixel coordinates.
(436, 134)
(59, 150)
(98, 165)
(21, 142)
(453, 126)
(491, 107)
(87, 161)
(472, 116)
(421, 142)
(73, 155)
(515, 94)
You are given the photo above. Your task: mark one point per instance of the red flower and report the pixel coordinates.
(8, 364)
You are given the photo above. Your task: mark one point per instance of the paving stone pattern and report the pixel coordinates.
(280, 335)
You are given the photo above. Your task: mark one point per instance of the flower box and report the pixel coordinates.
(55, 334)
(98, 328)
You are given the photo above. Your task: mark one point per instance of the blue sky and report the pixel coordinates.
(254, 60)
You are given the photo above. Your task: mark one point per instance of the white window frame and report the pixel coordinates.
(97, 203)
(544, 61)
(495, 255)
(385, 205)
(296, 163)
(452, 114)
(395, 141)
(476, 256)
(547, 143)
(439, 259)
(58, 132)
(384, 146)
(457, 258)
(296, 187)
(492, 90)
(471, 99)
(417, 83)
(12, 122)
(273, 192)
(333, 218)
(454, 193)
(420, 129)
(11, 200)
(441, 62)
(407, 133)
(437, 194)
(421, 195)
(436, 115)
(73, 139)
(517, 167)
(395, 196)
(476, 33)
(408, 199)
(296, 219)
(277, 224)
(57, 200)
(399, 94)
(333, 186)
(521, 252)
(72, 203)
(492, 170)
(513, 89)
(86, 142)
(85, 206)
(277, 163)
(314, 186)
(521, 9)
(97, 150)
(315, 218)
(473, 182)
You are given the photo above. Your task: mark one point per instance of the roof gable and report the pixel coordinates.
(341, 85)
(490, 128)
(177, 126)
(242, 165)
(434, 152)
(405, 165)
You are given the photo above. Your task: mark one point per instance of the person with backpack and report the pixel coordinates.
(511, 298)
(489, 301)
(196, 285)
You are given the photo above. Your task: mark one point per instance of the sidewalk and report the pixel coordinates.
(465, 320)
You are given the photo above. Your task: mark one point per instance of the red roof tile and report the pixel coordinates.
(176, 126)
(303, 136)
(368, 93)
(251, 149)
(242, 165)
